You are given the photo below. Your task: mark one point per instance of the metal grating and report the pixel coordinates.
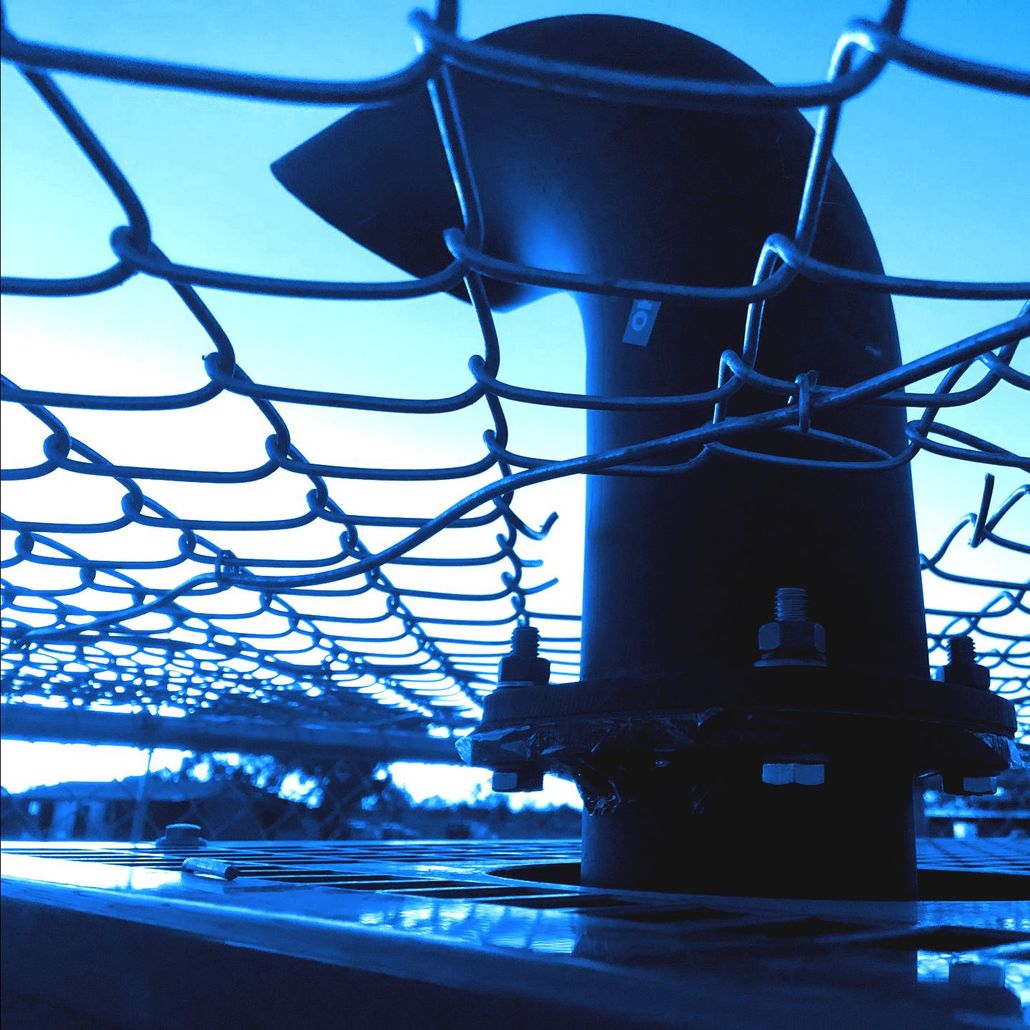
(333, 864)
(435, 914)
(1012, 855)
(476, 873)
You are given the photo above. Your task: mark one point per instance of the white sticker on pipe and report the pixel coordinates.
(641, 322)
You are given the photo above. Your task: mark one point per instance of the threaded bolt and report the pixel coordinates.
(961, 651)
(791, 604)
(961, 668)
(525, 641)
(792, 639)
(523, 665)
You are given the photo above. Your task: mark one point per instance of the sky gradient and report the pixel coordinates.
(941, 171)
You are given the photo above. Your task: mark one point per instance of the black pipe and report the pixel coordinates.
(680, 571)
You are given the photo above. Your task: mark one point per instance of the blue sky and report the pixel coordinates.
(941, 172)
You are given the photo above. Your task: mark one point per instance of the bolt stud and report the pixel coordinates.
(523, 666)
(791, 604)
(961, 650)
(962, 668)
(525, 641)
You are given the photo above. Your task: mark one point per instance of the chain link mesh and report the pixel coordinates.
(340, 637)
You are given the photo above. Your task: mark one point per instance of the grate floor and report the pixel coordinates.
(460, 913)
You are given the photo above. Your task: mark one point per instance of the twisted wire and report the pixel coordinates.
(177, 650)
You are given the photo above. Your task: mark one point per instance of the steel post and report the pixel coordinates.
(681, 569)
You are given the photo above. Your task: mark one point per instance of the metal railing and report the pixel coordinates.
(66, 651)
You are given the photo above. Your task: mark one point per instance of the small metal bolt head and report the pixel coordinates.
(804, 774)
(181, 835)
(970, 786)
(525, 779)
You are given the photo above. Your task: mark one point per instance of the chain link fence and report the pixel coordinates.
(340, 637)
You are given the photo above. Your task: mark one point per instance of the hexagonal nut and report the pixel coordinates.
(963, 675)
(976, 974)
(804, 774)
(969, 786)
(792, 636)
(525, 779)
(523, 669)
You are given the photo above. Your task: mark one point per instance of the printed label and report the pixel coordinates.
(641, 321)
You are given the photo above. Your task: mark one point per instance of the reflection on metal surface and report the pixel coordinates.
(653, 953)
(1012, 974)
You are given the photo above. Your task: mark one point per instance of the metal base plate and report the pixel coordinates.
(436, 932)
